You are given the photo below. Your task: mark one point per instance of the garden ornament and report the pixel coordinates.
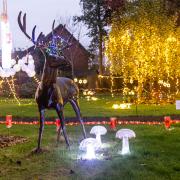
(98, 131)
(125, 135)
(167, 122)
(53, 92)
(113, 123)
(89, 145)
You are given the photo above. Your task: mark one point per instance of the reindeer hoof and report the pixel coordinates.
(60, 139)
(37, 151)
(68, 147)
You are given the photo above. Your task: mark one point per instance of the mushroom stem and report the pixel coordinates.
(125, 146)
(98, 138)
(90, 154)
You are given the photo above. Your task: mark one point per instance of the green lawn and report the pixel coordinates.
(154, 155)
(100, 108)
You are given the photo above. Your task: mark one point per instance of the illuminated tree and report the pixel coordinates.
(143, 46)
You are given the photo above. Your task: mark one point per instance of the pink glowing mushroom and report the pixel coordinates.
(125, 135)
(89, 145)
(98, 131)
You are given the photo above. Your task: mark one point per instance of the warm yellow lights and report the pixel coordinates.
(89, 95)
(75, 80)
(88, 92)
(122, 106)
(94, 98)
(171, 39)
(36, 79)
(85, 81)
(6, 43)
(12, 88)
(146, 53)
(80, 81)
(115, 106)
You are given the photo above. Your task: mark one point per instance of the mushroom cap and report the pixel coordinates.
(98, 130)
(125, 133)
(89, 142)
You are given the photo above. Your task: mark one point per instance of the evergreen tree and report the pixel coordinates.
(94, 16)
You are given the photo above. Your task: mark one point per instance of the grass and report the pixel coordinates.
(154, 155)
(100, 108)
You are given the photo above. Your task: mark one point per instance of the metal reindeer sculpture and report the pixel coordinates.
(53, 92)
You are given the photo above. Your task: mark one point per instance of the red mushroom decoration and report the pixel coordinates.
(167, 122)
(113, 123)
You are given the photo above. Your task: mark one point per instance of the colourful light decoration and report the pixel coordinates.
(113, 123)
(115, 106)
(12, 89)
(6, 42)
(1, 82)
(8, 121)
(58, 124)
(145, 51)
(168, 122)
(94, 98)
(84, 81)
(125, 135)
(122, 106)
(9, 65)
(98, 131)
(89, 145)
(27, 65)
(80, 81)
(36, 79)
(118, 122)
(75, 80)
(89, 95)
(6, 39)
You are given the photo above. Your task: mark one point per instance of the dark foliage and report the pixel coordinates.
(95, 18)
(27, 90)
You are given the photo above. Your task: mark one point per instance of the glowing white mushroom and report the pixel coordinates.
(125, 135)
(90, 145)
(98, 131)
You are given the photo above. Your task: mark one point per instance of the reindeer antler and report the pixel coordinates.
(53, 28)
(23, 29)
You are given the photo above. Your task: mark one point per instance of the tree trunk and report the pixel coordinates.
(100, 48)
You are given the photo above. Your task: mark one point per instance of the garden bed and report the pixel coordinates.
(6, 140)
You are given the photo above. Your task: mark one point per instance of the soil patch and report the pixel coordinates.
(6, 141)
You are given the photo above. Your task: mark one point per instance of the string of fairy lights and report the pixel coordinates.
(146, 53)
(12, 89)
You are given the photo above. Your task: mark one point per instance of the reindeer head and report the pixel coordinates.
(52, 50)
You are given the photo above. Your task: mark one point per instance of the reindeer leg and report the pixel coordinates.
(42, 119)
(59, 134)
(59, 111)
(76, 108)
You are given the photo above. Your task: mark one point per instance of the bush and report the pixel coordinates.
(27, 90)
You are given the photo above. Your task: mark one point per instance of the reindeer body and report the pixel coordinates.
(63, 90)
(55, 92)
